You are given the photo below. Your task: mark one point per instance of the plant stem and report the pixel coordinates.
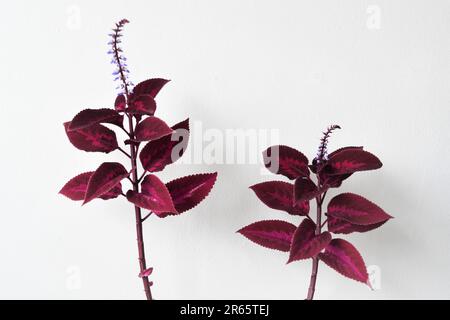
(138, 216)
(319, 225)
(315, 260)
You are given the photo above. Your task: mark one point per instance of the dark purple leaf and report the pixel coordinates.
(187, 192)
(272, 234)
(120, 104)
(159, 153)
(286, 161)
(150, 87)
(304, 190)
(279, 195)
(349, 160)
(340, 226)
(106, 177)
(152, 128)
(89, 117)
(154, 196)
(343, 257)
(76, 187)
(96, 138)
(356, 210)
(153, 187)
(305, 244)
(142, 105)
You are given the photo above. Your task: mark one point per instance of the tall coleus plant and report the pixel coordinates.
(163, 145)
(345, 213)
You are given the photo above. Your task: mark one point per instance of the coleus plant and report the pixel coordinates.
(163, 145)
(345, 213)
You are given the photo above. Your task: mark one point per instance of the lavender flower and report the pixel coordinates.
(118, 59)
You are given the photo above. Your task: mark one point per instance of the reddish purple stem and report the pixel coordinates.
(138, 216)
(315, 260)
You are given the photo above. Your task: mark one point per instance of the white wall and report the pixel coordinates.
(295, 66)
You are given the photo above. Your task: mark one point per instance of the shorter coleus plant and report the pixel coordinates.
(163, 145)
(344, 213)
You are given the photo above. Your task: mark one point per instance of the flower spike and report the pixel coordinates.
(322, 153)
(121, 73)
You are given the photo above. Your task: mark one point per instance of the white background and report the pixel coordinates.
(296, 66)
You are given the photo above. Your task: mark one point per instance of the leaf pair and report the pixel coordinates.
(302, 243)
(102, 183)
(87, 132)
(154, 196)
(142, 99)
(175, 197)
(338, 254)
(305, 243)
(341, 163)
(347, 213)
(142, 105)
